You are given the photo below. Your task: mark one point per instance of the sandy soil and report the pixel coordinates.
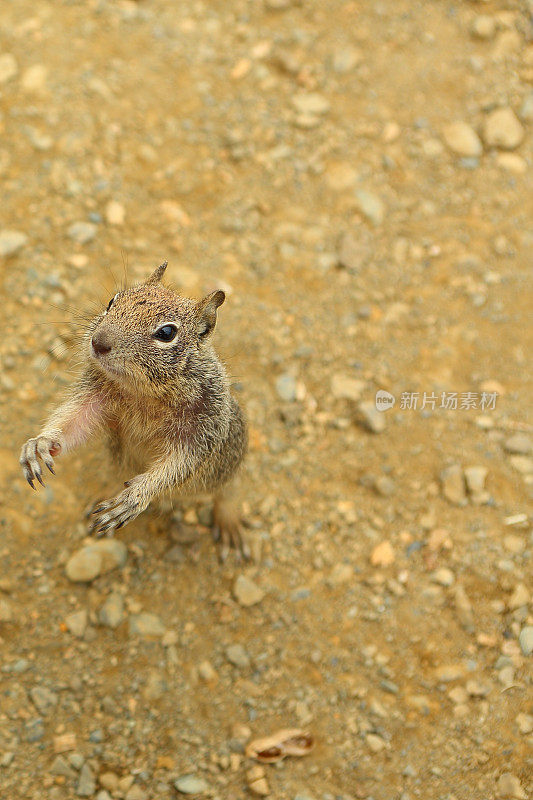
(304, 157)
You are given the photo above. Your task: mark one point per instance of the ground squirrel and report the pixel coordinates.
(153, 383)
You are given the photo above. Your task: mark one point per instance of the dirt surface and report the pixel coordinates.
(302, 157)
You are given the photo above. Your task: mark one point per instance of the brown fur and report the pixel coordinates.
(165, 407)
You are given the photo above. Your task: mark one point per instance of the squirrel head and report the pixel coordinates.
(151, 340)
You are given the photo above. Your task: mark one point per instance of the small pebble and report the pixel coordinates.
(86, 785)
(375, 743)
(191, 784)
(43, 699)
(111, 613)
(462, 139)
(146, 625)
(526, 640)
(382, 555)
(11, 242)
(372, 419)
(82, 232)
(237, 655)
(525, 723)
(384, 486)
(503, 129)
(77, 623)
(341, 573)
(115, 213)
(286, 387)
(344, 387)
(207, 672)
(246, 592)
(34, 78)
(352, 253)
(520, 597)
(345, 59)
(510, 788)
(518, 444)
(313, 104)
(371, 206)
(443, 576)
(483, 26)
(96, 559)
(475, 479)
(453, 485)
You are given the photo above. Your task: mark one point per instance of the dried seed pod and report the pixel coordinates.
(282, 743)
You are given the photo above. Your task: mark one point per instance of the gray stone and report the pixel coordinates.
(246, 592)
(526, 111)
(384, 486)
(483, 26)
(475, 479)
(345, 59)
(352, 252)
(462, 139)
(286, 387)
(43, 699)
(84, 565)
(510, 788)
(11, 242)
(86, 785)
(526, 640)
(453, 485)
(136, 793)
(60, 766)
(207, 672)
(147, 625)
(77, 623)
(312, 103)
(96, 559)
(111, 613)
(372, 419)
(191, 784)
(237, 655)
(371, 206)
(443, 576)
(503, 129)
(347, 388)
(519, 444)
(82, 232)
(76, 760)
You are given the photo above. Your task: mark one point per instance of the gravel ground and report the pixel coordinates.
(357, 177)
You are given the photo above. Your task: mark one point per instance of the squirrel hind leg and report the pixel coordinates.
(228, 529)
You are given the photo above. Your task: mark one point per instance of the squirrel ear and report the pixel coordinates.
(206, 311)
(156, 276)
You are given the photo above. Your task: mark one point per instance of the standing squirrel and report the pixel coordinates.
(153, 383)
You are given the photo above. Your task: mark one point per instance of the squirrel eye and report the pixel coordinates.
(110, 303)
(166, 333)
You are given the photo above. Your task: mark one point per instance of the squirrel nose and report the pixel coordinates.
(100, 345)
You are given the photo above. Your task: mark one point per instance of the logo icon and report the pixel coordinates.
(384, 400)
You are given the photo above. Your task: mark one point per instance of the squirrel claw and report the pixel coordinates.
(32, 451)
(227, 533)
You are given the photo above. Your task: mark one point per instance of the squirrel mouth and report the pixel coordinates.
(105, 366)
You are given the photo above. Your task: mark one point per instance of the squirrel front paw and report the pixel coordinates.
(43, 447)
(113, 514)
